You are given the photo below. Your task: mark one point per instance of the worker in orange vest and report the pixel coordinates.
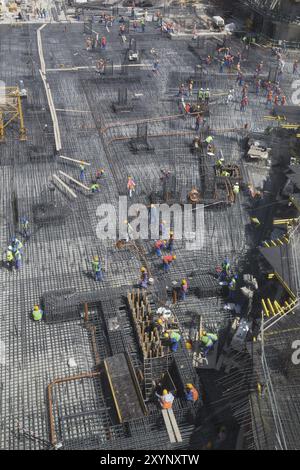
(167, 261)
(166, 399)
(191, 393)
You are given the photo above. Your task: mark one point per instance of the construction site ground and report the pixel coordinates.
(58, 255)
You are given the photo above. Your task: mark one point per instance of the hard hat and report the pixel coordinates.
(166, 335)
(183, 281)
(96, 258)
(10, 248)
(160, 321)
(36, 307)
(143, 269)
(171, 233)
(129, 177)
(189, 386)
(165, 392)
(203, 333)
(222, 159)
(188, 345)
(207, 89)
(174, 256)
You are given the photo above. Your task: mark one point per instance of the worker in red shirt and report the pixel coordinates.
(103, 42)
(167, 261)
(283, 100)
(158, 246)
(276, 100)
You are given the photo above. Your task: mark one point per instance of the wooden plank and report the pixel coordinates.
(65, 185)
(169, 426)
(74, 180)
(123, 388)
(174, 425)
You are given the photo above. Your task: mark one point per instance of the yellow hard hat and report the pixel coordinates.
(165, 392)
(189, 386)
(166, 335)
(96, 258)
(183, 281)
(36, 307)
(188, 345)
(174, 256)
(171, 233)
(129, 177)
(143, 269)
(160, 321)
(203, 333)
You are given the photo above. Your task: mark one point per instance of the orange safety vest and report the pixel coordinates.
(195, 394)
(166, 405)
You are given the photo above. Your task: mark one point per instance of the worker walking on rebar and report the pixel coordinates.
(144, 278)
(207, 95)
(166, 399)
(37, 313)
(99, 174)
(170, 245)
(208, 341)
(191, 393)
(199, 120)
(96, 266)
(158, 246)
(183, 289)
(220, 164)
(225, 271)
(130, 185)
(201, 95)
(236, 189)
(82, 172)
(18, 259)
(16, 244)
(25, 227)
(143, 25)
(95, 187)
(232, 286)
(103, 42)
(9, 257)
(167, 261)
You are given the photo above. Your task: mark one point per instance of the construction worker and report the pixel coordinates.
(170, 244)
(103, 42)
(159, 244)
(82, 172)
(295, 67)
(225, 272)
(130, 185)
(24, 227)
(144, 278)
(232, 288)
(183, 289)
(16, 244)
(95, 188)
(166, 399)
(163, 229)
(276, 100)
(225, 173)
(283, 100)
(236, 188)
(37, 313)
(9, 257)
(208, 341)
(190, 87)
(209, 139)
(201, 95)
(96, 266)
(143, 24)
(191, 393)
(220, 163)
(174, 339)
(199, 120)
(167, 261)
(18, 259)
(207, 95)
(99, 173)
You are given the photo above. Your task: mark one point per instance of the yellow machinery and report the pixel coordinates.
(11, 111)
